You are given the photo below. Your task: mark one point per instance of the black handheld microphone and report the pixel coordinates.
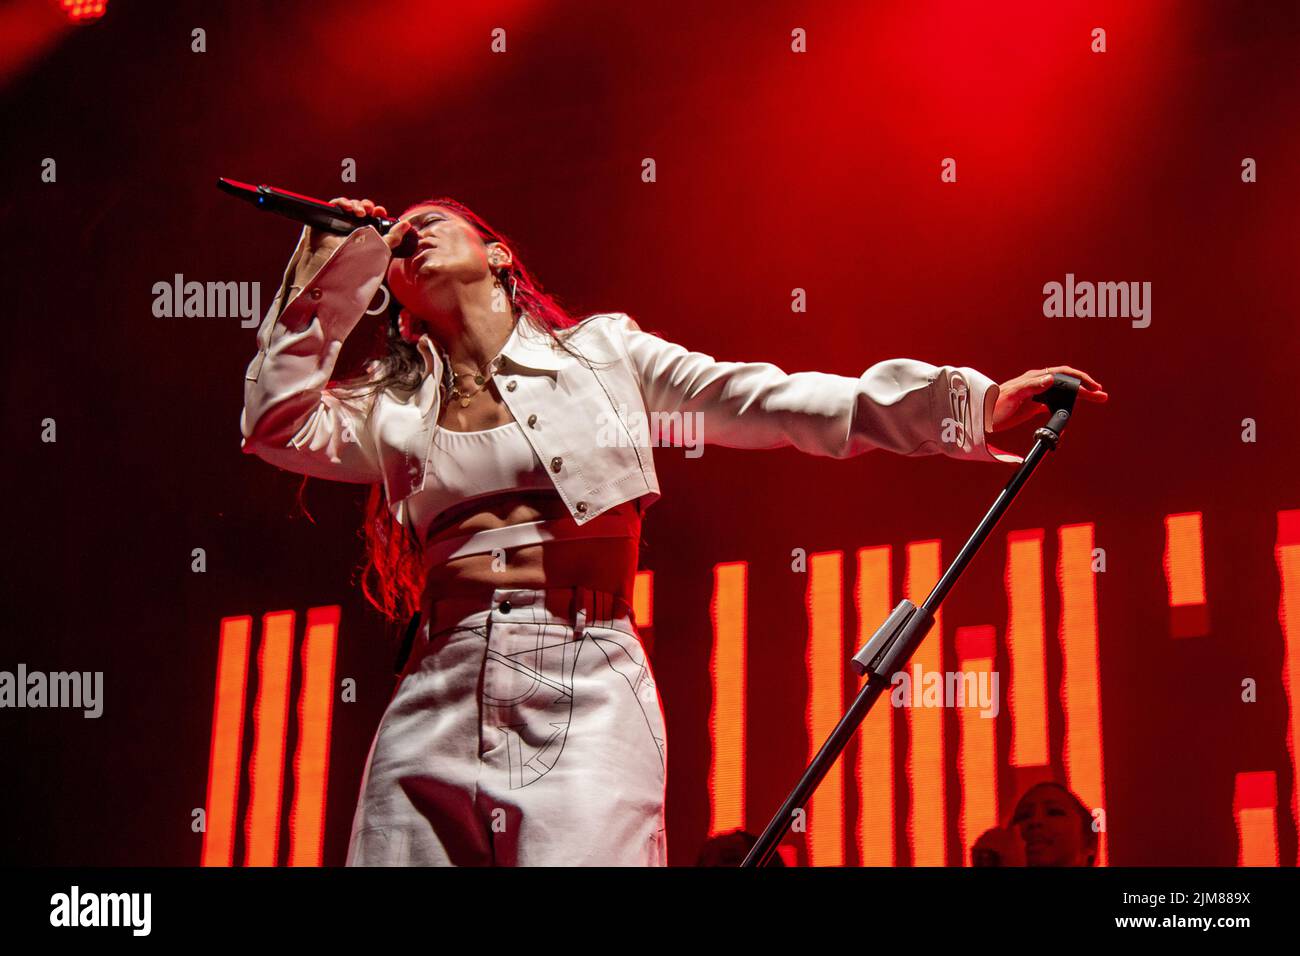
(315, 212)
(1059, 398)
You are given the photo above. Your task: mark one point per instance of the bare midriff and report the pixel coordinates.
(601, 564)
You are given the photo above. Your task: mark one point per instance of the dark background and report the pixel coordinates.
(775, 171)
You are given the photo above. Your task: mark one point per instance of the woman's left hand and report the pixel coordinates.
(1015, 402)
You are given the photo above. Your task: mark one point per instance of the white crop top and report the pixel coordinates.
(468, 465)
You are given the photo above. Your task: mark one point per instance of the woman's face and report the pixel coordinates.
(450, 250)
(1050, 828)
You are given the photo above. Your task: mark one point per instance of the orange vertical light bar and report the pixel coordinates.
(875, 770)
(311, 761)
(1184, 562)
(927, 826)
(826, 663)
(977, 761)
(270, 729)
(1287, 554)
(224, 752)
(1026, 648)
(643, 598)
(1080, 680)
(1254, 806)
(727, 712)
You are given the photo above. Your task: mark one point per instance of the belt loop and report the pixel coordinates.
(581, 605)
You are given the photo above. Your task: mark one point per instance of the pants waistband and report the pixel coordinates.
(575, 607)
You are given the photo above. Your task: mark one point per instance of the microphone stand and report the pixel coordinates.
(897, 639)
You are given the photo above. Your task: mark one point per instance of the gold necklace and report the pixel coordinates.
(480, 377)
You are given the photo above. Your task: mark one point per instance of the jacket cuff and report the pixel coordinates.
(339, 293)
(981, 395)
(336, 297)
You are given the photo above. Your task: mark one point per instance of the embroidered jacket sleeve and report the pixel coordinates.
(292, 416)
(901, 405)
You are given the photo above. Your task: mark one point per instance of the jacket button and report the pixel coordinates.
(582, 507)
(556, 462)
(532, 421)
(316, 293)
(504, 607)
(510, 385)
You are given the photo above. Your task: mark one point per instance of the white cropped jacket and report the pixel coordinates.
(295, 419)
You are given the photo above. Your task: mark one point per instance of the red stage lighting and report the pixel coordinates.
(83, 11)
(727, 714)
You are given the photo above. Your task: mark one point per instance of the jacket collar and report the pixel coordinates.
(526, 348)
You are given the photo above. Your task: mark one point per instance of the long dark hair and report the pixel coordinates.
(392, 574)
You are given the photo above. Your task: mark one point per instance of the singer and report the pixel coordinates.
(526, 727)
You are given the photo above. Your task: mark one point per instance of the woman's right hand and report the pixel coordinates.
(320, 245)
(327, 242)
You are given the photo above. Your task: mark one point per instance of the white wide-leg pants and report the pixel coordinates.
(527, 732)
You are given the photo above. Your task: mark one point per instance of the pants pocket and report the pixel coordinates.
(379, 846)
(626, 657)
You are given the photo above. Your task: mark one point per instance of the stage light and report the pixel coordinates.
(1184, 562)
(1254, 808)
(875, 770)
(227, 741)
(269, 721)
(1287, 556)
(927, 822)
(727, 716)
(311, 762)
(1026, 649)
(643, 599)
(825, 662)
(977, 747)
(270, 736)
(83, 11)
(1081, 671)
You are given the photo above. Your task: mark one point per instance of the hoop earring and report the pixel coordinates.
(387, 298)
